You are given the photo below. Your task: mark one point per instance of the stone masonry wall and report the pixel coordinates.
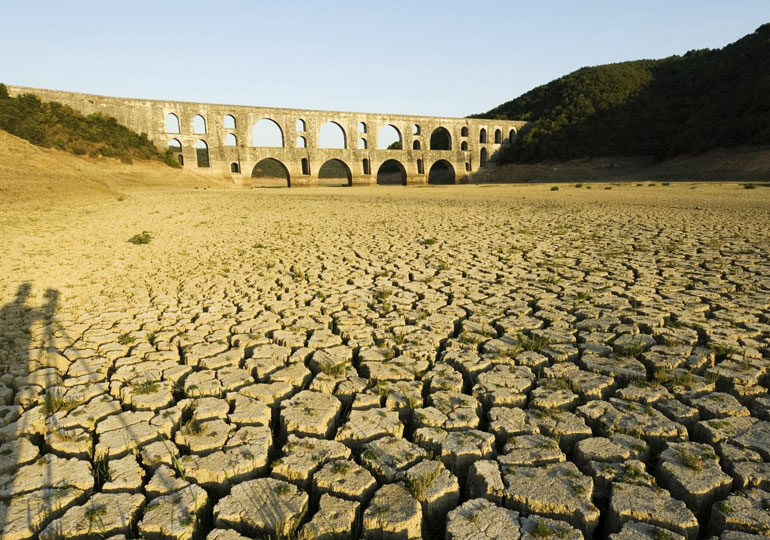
(149, 116)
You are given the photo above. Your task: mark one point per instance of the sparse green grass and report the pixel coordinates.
(101, 471)
(631, 473)
(722, 351)
(669, 379)
(95, 511)
(334, 370)
(428, 241)
(147, 387)
(54, 402)
(416, 485)
(193, 427)
(633, 349)
(381, 295)
(535, 343)
(512, 352)
(141, 238)
(542, 530)
(467, 338)
(340, 467)
(126, 339)
(726, 509)
(94, 516)
(689, 459)
(283, 490)
(561, 384)
(662, 534)
(68, 435)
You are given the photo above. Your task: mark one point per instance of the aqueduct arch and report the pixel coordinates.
(227, 132)
(391, 172)
(271, 172)
(335, 172)
(442, 172)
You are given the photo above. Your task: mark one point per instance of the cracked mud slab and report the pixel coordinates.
(464, 362)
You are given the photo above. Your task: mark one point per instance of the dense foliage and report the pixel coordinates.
(683, 104)
(52, 124)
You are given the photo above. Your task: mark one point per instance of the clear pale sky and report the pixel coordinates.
(447, 58)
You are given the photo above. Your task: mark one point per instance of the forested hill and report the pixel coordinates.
(678, 105)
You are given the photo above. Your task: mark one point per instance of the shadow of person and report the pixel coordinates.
(25, 333)
(34, 478)
(47, 315)
(16, 318)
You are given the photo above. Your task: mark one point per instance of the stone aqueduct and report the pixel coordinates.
(224, 135)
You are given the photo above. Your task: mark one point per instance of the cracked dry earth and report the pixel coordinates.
(461, 363)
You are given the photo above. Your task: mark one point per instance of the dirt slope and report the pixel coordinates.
(726, 165)
(31, 174)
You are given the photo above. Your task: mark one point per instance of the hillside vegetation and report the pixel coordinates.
(53, 125)
(687, 104)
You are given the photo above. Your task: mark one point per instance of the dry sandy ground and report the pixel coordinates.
(460, 362)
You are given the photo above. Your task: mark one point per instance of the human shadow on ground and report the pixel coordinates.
(33, 401)
(25, 333)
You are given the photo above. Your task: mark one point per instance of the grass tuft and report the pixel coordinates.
(140, 239)
(535, 343)
(689, 459)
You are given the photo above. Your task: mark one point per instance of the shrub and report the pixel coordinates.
(554, 188)
(169, 158)
(142, 238)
